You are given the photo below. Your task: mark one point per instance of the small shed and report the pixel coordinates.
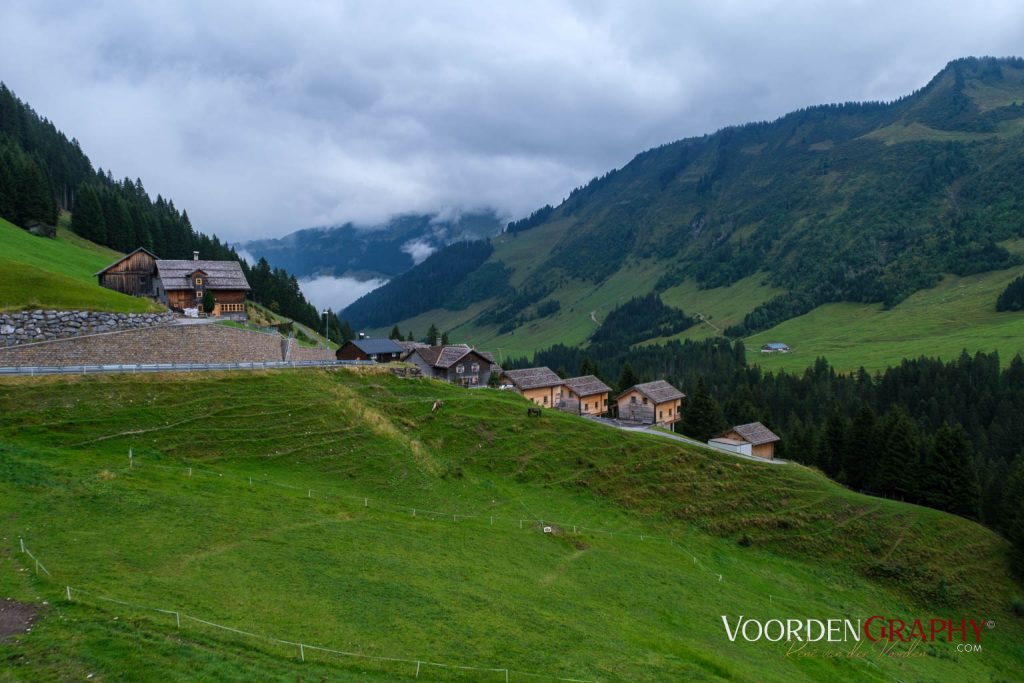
(133, 273)
(761, 439)
(379, 350)
(775, 347)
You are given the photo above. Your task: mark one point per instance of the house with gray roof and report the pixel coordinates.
(656, 402)
(586, 395)
(379, 350)
(455, 363)
(540, 385)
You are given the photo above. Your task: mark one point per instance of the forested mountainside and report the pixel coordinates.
(42, 172)
(384, 250)
(862, 202)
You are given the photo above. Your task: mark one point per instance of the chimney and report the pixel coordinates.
(195, 255)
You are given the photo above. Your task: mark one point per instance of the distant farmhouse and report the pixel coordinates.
(775, 347)
(179, 284)
(457, 363)
(655, 402)
(379, 350)
(540, 385)
(749, 439)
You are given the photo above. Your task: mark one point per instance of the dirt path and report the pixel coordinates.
(703, 319)
(15, 617)
(593, 316)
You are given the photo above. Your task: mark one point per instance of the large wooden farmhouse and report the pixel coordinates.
(457, 363)
(586, 395)
(540, 385)
(179, 284)
(655, 402)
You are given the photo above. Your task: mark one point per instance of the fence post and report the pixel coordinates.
(302, 652)
(417, 669)
(506, 675)
(366, 502)
(177, 619)
(131, 459)
(22, 543)
(69, 593)
(190, 472)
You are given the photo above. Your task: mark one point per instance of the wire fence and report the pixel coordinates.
(490, 520)
(75, 594)
(33, 370)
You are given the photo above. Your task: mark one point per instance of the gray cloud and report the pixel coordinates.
(262, 117)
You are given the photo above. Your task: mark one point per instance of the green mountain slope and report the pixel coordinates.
(38, 272)
(860, 203)
(336, 509)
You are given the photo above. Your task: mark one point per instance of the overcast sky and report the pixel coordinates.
(264, 117)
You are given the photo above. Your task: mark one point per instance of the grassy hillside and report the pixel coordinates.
(38, 272)
(322, 545)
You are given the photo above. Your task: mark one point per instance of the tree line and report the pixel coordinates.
(42, 172)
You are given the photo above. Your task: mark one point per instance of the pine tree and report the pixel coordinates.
(834, 444)
(444, 339)
(87, 219)
(410, 337)
(432, 334)
(208, 302)
(395, 333)
(896, 468)
(949, 480)
(1012, 522)
(627, 378)
(703, 416)
(860, 454)
(588, 367)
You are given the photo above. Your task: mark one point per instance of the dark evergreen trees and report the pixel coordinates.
(702, 415)
(395, 333)
(628, 377)
(949, 480)
(1012, 511)
(208, 302)
(1012, 298)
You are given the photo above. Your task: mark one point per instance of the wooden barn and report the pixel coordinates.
(761, 439)
(132, 274)
(455, 363)
(540, 385)
(379, 350)
(586, 395)
(655, 402)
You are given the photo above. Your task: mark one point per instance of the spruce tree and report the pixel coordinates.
(703, 416)
(87, 218)
(896, 467)
(432, 334)
(861, 451)
(1012, 522)
(444, 339)
(395, 333)
(588, 367)
(628, 377)
(949, 480)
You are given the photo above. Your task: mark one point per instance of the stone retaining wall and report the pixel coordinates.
(24, 327)
(205, 343)
(297, 352)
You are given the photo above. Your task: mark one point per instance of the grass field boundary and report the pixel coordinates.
(378, 503)
(71, 592)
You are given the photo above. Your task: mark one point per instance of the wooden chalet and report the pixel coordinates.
(180, 284)
(540, 385)
(586, 395)
(455, 363)
(655, 402)
(760, 439)
(379, 350)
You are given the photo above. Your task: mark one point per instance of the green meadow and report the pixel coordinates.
(39, 272)
(336, 509)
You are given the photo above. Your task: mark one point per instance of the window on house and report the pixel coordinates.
(645, 400)
(661, 414)
(670, 412)
(460, 368)
(632, 399)
(472, 380)
(199, 281)
(476, 367)
(199, 294)
(586, 406)
(545, 400)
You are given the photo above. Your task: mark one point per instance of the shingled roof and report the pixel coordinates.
(755, 433)
(587, 385)
(658, 391)
(533, 378)
(371, 346)
(130, 253)
(447, 356)
(175, 274)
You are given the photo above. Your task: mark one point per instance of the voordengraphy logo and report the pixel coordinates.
(877, 629)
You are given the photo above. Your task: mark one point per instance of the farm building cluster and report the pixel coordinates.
(181, 285)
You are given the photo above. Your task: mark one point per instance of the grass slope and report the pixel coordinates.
(957, 314)
(38, 272)
(339, 558)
